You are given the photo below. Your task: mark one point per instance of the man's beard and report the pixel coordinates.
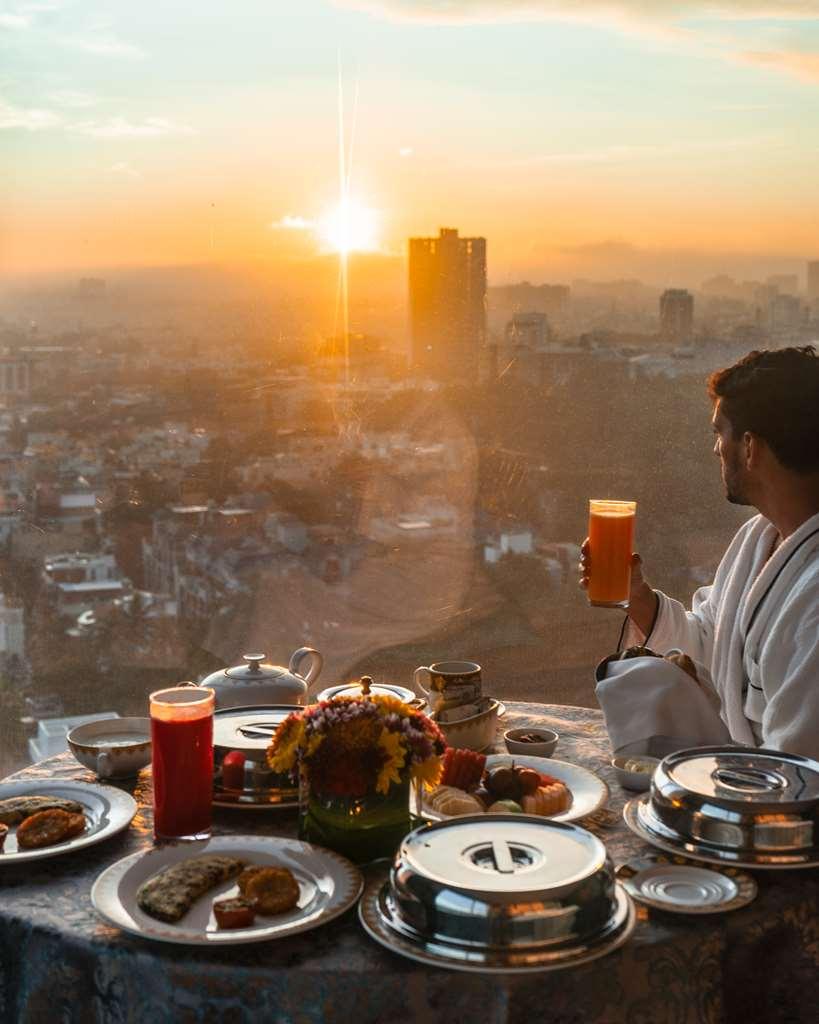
(734, 491)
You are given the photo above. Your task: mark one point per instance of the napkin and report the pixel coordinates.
(652, 706)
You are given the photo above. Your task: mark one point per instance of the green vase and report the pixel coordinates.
(361, 828)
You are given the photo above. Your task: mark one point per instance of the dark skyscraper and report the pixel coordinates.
(447, 285)
(677, 316)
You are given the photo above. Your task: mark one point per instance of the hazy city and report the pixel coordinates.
(172, 500)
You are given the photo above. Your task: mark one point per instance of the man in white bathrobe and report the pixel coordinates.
(755, 630)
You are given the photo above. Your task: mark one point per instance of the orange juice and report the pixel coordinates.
(611, 542)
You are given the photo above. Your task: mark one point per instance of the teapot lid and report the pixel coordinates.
(255, 669)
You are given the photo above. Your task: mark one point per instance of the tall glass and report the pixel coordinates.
(182, 761)
(611, 543)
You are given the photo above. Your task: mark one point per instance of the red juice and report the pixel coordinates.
(182, 757)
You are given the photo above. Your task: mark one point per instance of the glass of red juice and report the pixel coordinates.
(182, 761)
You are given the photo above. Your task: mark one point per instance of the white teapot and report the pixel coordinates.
(259, 683)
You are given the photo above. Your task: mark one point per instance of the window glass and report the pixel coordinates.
(321, 322)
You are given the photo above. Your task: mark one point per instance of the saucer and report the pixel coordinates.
(685, 888)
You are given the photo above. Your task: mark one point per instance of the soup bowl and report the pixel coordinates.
(115, 748)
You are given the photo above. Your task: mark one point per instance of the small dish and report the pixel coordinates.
(114, 748)
(544, 746)
(685, 888)
(632, 779)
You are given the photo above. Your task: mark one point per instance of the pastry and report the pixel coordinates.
(15, 808)
(272, 890)
(46, 828)
(170, 894)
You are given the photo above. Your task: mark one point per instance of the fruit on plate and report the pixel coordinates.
(454, 802)
(233, 770)
(505, 807)
(462, 768)
(547, 800)
(503, 782)
(504, 787)
(529, 780)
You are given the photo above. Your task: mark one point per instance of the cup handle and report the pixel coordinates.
(316, 663)
(105, 764)
(417, 678)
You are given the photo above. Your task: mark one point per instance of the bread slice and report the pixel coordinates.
(170, 894)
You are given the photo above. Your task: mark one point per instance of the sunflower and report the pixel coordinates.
(393, 749)
(429, 771)
(288, 738)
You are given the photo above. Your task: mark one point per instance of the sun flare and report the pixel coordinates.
(350, 227)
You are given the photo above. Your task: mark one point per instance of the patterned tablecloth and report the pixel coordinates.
(60, 963)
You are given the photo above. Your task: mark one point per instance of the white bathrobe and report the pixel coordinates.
(756, 629)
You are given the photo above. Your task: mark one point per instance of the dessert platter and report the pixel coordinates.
(501, 783)
(534, 895)
(227, 890)
(41, 819)
(685, 888)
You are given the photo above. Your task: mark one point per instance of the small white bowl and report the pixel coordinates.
(114, 748)
(545, 747)
(475, 733)
(637, 781)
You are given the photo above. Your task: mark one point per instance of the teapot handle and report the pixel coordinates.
(316, 662)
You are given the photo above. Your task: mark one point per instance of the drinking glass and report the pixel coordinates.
(611, 542)
(182, 760)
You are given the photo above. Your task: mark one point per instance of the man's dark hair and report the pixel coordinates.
(775, 395)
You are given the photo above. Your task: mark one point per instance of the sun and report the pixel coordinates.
(350, 227)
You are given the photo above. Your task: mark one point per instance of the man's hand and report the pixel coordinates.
(642, 601)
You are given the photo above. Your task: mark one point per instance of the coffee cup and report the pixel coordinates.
(451, 683)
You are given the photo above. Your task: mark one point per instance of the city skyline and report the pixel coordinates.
(128, 142)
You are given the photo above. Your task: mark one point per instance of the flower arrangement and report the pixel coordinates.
(351, 746)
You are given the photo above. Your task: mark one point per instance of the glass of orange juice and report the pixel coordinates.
(611, 542)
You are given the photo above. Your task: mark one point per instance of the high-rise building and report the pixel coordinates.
(813, 280)
(447, 297)
(530, 330)
(677, 316)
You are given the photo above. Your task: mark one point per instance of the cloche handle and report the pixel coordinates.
(316, 662)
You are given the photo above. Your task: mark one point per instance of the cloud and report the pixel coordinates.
(291, 223)
(14, 21)
(461, 11)
(28, 118)
(799, 63)
(124, 169)
(122, 128)
(406, 151)
(73, 98)
(104, 45)
(625, 153)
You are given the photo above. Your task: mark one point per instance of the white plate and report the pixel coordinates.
(685, 888)
(108, 810)
(589, 793)
(329, 885)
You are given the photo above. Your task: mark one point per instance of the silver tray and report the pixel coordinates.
(379, 920)
(638, 817)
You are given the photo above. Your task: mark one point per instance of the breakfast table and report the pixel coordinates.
(60, 962)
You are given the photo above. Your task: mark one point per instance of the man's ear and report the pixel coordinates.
(752, 446)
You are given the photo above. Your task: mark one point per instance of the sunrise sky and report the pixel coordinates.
(199, 132)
